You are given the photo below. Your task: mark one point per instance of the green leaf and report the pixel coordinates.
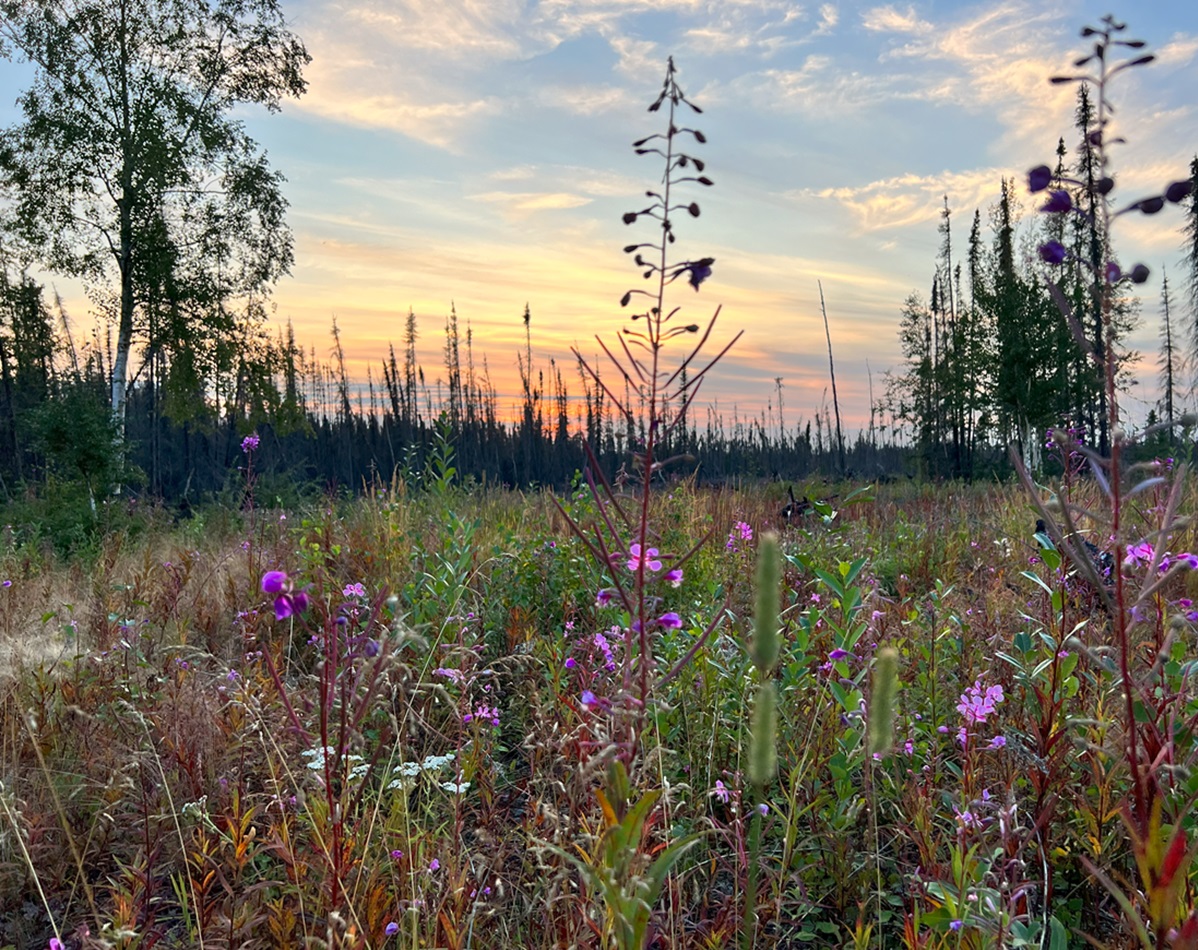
(1035, 578)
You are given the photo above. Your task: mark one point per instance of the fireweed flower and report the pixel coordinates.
(1058, 202)
(1039, 178)
(741, 531)
(288, 605)
(674, 576)
(249, 443)
(391, 929)
(976, 704)
(670, 620)
(273, 582)
(1053, 252)
(1138, 554)
(354, 590)
(603, 598)
(604, 647)
(699, 272)
(720, 791)
(649, 560)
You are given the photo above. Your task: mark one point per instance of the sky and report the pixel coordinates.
(477, 153)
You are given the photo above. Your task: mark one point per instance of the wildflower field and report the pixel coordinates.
(641, 711)
(398, 721)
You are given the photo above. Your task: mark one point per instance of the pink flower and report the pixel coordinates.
(674, 576)
(649, 560)
(977, 704)
(721, 792)
(670, 620)
(273, 582)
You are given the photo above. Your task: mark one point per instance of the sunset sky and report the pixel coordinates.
(477, 152)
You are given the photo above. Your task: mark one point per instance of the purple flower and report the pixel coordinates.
(998, 742)
(273, 582)
(720, 791)
(354, 590)
(839, 654)
(763, 809)
(603, 598)
(1053, 252)
(1138, 554)
(1113, 273)
(977, 704)
(588, 698)
(396, 854)
(670, 620)
(649, 560)
(434, 865)
(56, 944)
(1039, 178)
(699, 272)
(288, 605)
(391, 929)
(955, 925)
(249, 443)
(571, 663)
(674, 576)
(8, 583)
(1178, 190)
(1058, 202)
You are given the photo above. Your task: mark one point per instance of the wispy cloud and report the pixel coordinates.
(910, 200)
(889, 20)
(521, 204)
(829, 17)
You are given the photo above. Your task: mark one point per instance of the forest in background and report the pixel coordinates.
(183, 362)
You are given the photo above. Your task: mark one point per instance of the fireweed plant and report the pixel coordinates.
(1145, 665)
(630, 871)
(621, 538)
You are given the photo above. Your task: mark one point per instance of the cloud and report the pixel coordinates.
(829, 17)
(910, 200)
(435, 123)
(889, 20)
(1179, 51)
(521, 204)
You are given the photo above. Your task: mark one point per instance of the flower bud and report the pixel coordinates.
(1053, 252)
(1139, 274)
(1104, 186)
(1039, 178)
(1178, 190)
(1058, 203)
(1151, 205)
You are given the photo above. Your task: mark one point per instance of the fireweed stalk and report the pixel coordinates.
(621, 540)
(630, 870)
(1162, 857)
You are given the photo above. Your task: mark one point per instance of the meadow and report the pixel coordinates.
(410, 737)
(643, 711)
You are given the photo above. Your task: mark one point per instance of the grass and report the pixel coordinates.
(160, 731)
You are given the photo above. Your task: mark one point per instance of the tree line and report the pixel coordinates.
(988, 359)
